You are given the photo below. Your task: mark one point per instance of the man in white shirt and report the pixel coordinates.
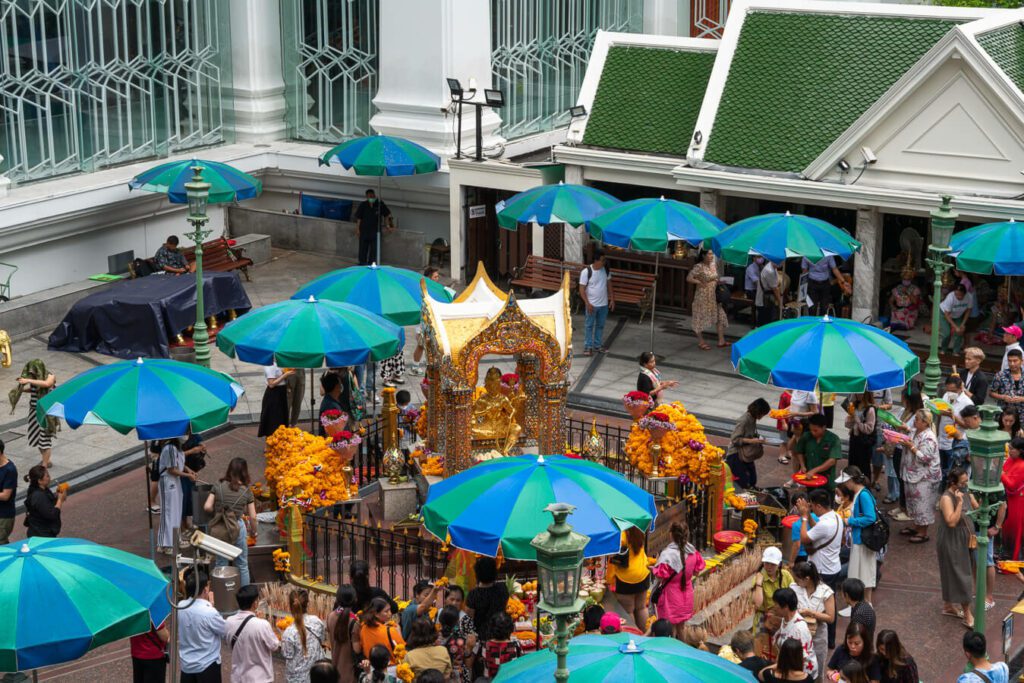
(950, 448)
(768, 298)
(955, 309)
(803, 403)
(200, 629)
(252, 641)
(598, 298)
(1011, 337)
(823, 540)
(794, 626)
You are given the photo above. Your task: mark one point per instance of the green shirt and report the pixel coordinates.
(816, 452)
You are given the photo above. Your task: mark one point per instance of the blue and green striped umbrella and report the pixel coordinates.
(309, 334)
(227, 184)
(61, 597)
(561, 203)
(392, 293)
(158, 398)
(778, 236)
(650, 224)
(381, 155)
(993, 248)
(626, 658)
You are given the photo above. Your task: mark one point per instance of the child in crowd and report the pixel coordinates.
(661, 628)
(375, 669)
(501, 647)
(458, 642)
(592, 619)
(406, 421)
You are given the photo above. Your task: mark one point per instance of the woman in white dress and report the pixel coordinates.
(815, 601)
(172, 468)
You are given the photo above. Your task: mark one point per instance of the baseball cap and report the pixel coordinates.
(772, 555)
(611, 623)
(1014, 330)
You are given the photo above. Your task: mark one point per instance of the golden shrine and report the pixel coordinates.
(483, 320)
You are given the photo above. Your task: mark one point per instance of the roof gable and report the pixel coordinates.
(798, 80)
(1005, 46)
(648, 98)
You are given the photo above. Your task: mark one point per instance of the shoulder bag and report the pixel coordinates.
(811, 549)
(225, 525)
(876, 536)
(234, 638)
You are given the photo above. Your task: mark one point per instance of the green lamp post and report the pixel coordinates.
(198, 192)
(988, 451)
(559, 565)
(943, 222)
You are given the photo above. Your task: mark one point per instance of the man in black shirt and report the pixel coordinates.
(742, 645)
(370, 216)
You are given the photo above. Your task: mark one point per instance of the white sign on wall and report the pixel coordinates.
(478, 211)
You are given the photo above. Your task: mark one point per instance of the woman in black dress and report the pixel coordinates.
(274, 412)
(42, 506)
(649, 379)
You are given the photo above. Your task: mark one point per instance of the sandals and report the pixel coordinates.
(724, 344)
(957, 612)
(909, 531)
(783, 460)
(704, 347)
(919, 539)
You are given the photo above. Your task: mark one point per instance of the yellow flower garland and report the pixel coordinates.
(677, 457)
(304, 466)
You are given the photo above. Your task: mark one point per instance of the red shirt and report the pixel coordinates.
(147, 646)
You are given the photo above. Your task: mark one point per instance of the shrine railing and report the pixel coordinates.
(366, 465)
(397, 560)
(666, 493)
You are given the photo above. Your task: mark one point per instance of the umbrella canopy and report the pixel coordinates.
(62, 597)
(649, 224)
(380, 155)
(309, 334)
(621, 658)
(392, 293)
(833, 354)
(158, 398)
(561, 203)
(500, 504)
(778, 236)
(993, 248)
(227, 184)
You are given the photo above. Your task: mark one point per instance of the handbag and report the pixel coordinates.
(620, 559)
(224, 525)
(749, 452)
(656, 593)
(723, 294)
(876, 536)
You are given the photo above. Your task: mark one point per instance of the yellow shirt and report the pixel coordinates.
(634, 572)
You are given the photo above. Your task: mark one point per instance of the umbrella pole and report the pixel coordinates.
(654, 296)
(312, 404)
(379, 211)
(149, 503)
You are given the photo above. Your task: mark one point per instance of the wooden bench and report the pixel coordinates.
(219, 256)
(632, 287)
(545, 274)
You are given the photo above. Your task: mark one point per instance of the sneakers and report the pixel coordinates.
(399, 379)
(416, 369)
(846, 611)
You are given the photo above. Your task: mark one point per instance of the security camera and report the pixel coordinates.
(214, 546)
(869, 155)
(843, 165)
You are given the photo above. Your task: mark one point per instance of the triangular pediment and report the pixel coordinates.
(958, 132)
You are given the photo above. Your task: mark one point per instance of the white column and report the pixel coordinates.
(573, 238)
(867, 264)
(661, 17)
(422, 44)
(257, 80)
(456, 228)
(4, 181)
(713, 202)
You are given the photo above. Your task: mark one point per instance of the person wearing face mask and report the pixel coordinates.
(370, 216)
(904, 302)
(954, 542)
(953, 447)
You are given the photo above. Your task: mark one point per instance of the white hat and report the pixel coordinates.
(843, 477)
(772, 555)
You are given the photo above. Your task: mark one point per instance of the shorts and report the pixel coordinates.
(863, 565)
(6, 527)
(624, 588)
(991, 553)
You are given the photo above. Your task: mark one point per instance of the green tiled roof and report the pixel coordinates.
(1006, 48)
(648, 98)
(799, 80)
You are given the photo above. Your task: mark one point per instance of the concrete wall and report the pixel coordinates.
(402, 248)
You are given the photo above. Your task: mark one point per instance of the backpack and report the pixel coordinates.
(876, 536)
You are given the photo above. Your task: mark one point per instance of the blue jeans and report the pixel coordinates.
(242, 561)
(892, 479)
(594, 328)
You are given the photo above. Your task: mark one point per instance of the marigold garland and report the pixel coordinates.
(515, 608)
(678, 453)
(303, 469)
(421, 422)
(404, 673)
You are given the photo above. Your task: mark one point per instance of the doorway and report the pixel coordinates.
(501, 251)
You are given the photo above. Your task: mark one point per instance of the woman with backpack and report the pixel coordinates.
(231, 502)
(677, 564)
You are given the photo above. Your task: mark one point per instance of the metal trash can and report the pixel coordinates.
(200, 492)
(224, 582)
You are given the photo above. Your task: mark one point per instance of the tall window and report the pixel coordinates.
(330, 67)
(86, 84)
(540, 50)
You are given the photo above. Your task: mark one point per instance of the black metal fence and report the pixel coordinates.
(366, 465)
(397, 560)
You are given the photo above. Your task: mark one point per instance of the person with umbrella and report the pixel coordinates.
(369, 215)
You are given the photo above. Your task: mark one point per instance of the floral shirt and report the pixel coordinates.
(797, 628)
(923, 465)
(297, 663)
(455, 643)
(1003, 383)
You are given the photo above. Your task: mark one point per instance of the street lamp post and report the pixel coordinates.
(198, 192)
(559, 565)
(988, 450)
(943, 222)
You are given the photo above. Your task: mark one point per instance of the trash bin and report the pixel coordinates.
(224, 582)
(200, 492)
(185, 354)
